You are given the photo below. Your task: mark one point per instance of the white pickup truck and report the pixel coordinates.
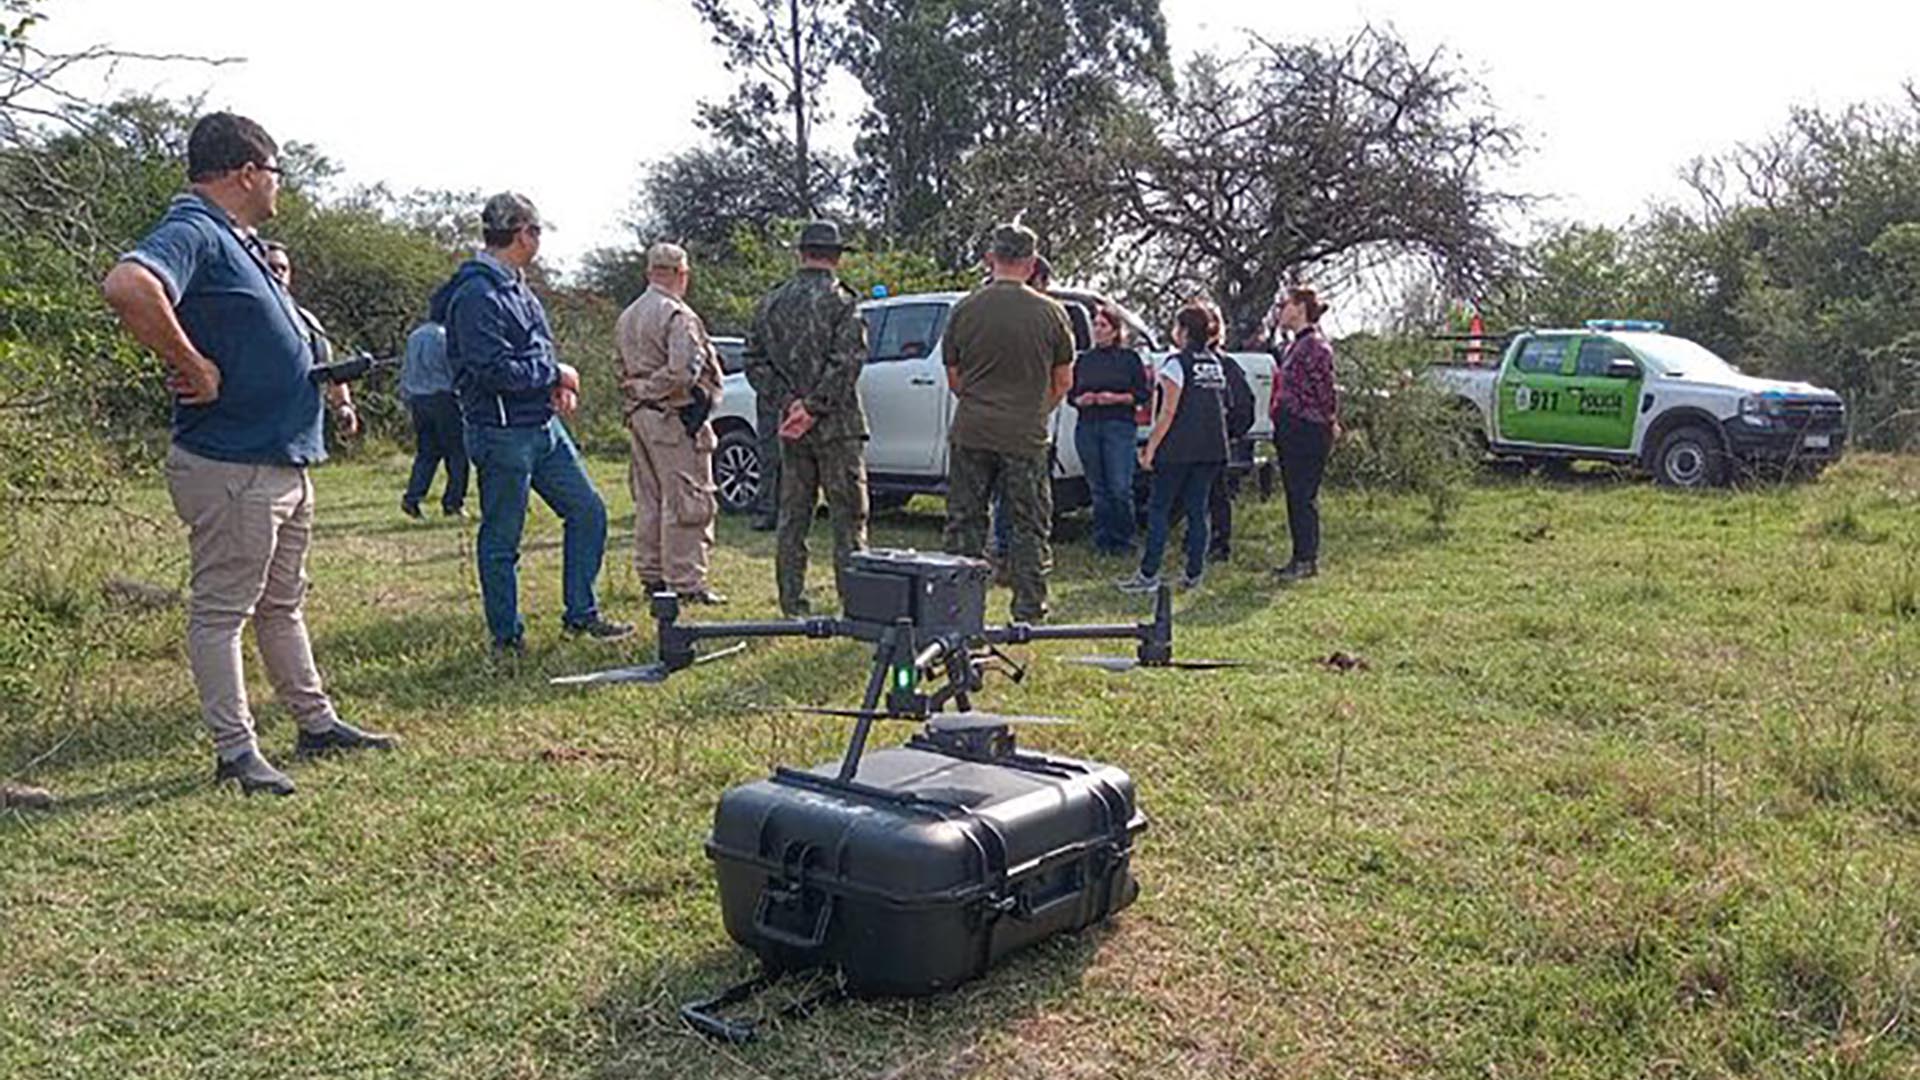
(1625, 391)
(904, 390)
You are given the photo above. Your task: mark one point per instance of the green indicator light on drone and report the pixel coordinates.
(904, 677)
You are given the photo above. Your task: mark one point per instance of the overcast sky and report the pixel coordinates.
(566, 100)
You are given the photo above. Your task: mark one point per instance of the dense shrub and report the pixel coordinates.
(1401, 433)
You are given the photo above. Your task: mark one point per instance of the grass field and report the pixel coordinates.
(1629, 787)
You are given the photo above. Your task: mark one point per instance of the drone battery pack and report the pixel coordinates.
(925, 868)
(941, 594)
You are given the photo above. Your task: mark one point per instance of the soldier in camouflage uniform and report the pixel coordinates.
(803, 358)
(1009, 354)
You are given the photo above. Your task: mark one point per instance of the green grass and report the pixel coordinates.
(1630, 787)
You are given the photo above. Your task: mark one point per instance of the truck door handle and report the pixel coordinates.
(920, 380)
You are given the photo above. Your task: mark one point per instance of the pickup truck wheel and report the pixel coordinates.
(736, 471)
(1690, 457)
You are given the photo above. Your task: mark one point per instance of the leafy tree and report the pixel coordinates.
(362, 269)
(72, 196)
(783, 51)
(699, 197)
(1669, 267)
(975, 104)
(1824, 213)
(1309, 160)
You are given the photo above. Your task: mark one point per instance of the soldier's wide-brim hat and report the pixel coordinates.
(822, 236)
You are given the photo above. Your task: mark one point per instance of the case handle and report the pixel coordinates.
(1045, 907)
(1069, 887)
(704, 1015)
(765, 925)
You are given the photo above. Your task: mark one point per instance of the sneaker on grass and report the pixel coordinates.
(1139, 583)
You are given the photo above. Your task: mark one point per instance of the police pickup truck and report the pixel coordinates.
(1626, 391)
(904, 389)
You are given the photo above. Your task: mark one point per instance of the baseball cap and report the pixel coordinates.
(508, 211)
(1012, 241)
(665, 256)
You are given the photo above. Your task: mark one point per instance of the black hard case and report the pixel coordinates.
(925, 869)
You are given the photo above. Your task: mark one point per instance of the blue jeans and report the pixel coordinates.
(439, 436)
(1185, 485)
(511, 461)
(1107, 454)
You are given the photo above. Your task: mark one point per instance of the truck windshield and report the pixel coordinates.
(1677, 357)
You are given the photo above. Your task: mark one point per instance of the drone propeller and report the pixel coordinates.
(643, 673)
(827, 710)
(975, 721)
(1121, 664)
(953, 721)
(655, 672)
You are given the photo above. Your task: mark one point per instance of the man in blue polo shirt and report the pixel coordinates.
(510, 384)
(246, 426)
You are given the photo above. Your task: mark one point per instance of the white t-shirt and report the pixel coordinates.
(1171, 371)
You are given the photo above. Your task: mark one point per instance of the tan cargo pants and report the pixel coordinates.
(673, 500)
(248, 531)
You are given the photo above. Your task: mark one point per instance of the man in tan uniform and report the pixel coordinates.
(670, 378)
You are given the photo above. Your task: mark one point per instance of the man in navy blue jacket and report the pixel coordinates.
(510, 384)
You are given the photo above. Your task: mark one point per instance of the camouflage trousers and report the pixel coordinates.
(808, 468)
(1025, 485)
(766, 501)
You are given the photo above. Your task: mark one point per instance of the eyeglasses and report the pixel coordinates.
(534, 229)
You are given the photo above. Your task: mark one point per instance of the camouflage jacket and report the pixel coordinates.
(808, 341)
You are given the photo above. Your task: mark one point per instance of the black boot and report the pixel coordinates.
(254, 774)
(341, 736)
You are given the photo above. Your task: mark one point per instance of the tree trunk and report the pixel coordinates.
(802, 174)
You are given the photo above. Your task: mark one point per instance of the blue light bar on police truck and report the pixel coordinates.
(1644, 325)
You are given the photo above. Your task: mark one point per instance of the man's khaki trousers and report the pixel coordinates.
(673, 501)
(248, 530)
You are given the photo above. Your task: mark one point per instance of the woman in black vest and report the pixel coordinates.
(1188, 445)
